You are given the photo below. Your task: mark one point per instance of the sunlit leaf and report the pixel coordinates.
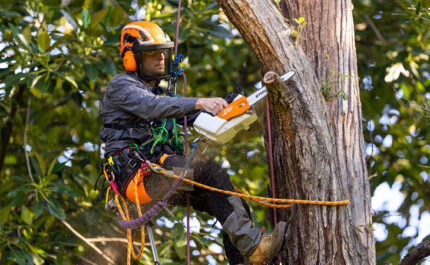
(43, 41)
(116, 15)
(41, 162)
(4, 214)
(86, 18)
(26, 215)
(99, 16)
(72, 81)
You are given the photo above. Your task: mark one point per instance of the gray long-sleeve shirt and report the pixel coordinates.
(128, 100)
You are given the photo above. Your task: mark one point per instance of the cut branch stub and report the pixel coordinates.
(276, 86)
(269, 78)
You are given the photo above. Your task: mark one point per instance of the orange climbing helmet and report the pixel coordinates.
(139, 38)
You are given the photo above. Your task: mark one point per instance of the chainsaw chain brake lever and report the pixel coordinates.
(232, 95)
(241, 90)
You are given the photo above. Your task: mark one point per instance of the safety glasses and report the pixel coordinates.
(154, 52)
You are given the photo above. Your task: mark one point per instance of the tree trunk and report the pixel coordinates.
(318, 145)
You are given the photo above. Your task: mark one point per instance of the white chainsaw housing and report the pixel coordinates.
(220, 130)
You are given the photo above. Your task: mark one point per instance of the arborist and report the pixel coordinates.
(132, 109)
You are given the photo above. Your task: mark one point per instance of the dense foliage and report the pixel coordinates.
(56, 60)
(393, 57)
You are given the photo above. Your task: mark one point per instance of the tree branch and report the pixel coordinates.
(118, 239)
(27, 118)
(86, 241)
(375, 29)
(417, 253)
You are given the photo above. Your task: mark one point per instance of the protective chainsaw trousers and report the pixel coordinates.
(240, 238)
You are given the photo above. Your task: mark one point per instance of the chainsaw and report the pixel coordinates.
(237, 116)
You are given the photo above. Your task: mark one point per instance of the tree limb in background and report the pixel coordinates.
(119, 239)
(86, 241)
(27, 118)
(417, 253)
(375, 29)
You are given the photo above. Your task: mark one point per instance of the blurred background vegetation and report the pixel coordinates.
(56, 59)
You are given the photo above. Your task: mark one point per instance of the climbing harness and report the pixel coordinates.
(123, 214)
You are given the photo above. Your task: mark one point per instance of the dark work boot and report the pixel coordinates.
(269, 245)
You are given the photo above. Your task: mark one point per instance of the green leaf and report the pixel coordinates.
(420, 86)
(91, 72)
(4, 214)
(99, 16)
(43, 41)
(27, 34)
(72, 81)
(116, 16)
(56, 210)
(35, 92)
(86, 18)
(63, 189)
(107, 66)
(177, 230)
(13, 79)
(181, 251)
(17, 190)
(51, 166)
(36, 165)
(26, 215)
(49, 221)
(41, 163)
(22, 257)
(10, 160)
(57, 167)
(58, 42)
(37, 208)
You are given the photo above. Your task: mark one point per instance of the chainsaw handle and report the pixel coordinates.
(236, 108)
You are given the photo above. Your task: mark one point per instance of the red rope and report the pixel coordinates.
(272, 175)
(188, 229)
(178, 21)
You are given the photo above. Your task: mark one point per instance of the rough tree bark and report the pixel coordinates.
(318, 145)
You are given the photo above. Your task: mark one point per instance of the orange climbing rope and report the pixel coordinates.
(272, 205)
(126, 216)
(258, 199)
(274, 202)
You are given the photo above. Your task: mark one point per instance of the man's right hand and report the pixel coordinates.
(212, 105)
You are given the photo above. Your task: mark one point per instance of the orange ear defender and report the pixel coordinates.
(129, 61)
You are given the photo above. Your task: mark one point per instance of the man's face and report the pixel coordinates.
(153, 62)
